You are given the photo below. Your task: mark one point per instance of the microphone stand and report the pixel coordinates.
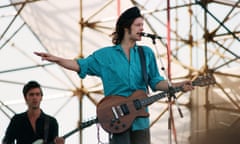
(171, 94)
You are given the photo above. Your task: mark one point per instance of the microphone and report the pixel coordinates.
(152, 36)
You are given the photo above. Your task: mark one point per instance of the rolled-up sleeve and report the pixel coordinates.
(83, 67)
(90, 65)
(153, 70)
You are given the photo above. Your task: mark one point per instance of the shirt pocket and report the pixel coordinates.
(111, 73)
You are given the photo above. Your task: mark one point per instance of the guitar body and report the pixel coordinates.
(117, 113)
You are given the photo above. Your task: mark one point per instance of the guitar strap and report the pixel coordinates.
(143, 65)
(46, 129)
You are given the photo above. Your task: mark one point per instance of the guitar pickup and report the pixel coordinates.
(115, 113)
(124, 109)
(137, 104)
(120, 110)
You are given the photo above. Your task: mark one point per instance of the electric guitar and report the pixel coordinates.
(82, 126)
(117, 113)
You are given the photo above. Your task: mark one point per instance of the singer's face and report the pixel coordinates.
(136, 28)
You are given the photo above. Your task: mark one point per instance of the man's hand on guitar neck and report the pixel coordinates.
(185, 85)
(59, 140)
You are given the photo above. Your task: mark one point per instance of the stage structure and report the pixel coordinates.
(195, 38)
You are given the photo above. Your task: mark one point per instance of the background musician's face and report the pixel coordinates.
(33, 98)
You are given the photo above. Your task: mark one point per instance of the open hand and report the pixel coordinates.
(47, 56)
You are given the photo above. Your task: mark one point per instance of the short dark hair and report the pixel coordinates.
(30, 85)
(125, 20)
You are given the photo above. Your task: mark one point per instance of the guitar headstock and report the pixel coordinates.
(204, 80)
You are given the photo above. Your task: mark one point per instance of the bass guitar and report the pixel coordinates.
(82, 126)
(117, 113)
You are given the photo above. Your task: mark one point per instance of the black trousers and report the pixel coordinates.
(131, 137)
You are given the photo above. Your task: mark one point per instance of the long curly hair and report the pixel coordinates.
(117, 36)
(124, 21)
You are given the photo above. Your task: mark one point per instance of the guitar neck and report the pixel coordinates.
(152, 99)
(82, 126)
(71, 132)
(200, 81)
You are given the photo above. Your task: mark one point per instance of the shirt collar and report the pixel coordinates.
(42, 114)
(118, 47)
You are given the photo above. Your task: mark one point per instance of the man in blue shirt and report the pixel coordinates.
(119, 68)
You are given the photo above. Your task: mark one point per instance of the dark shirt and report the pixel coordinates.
(20, 129)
